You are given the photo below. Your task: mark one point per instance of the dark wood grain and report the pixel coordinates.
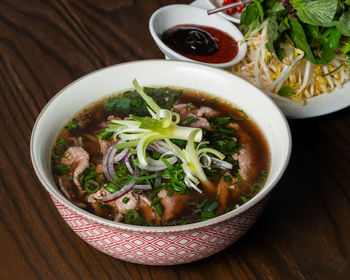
(304, 233)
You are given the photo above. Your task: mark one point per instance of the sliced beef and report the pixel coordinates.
(222, 194)
(185, 111)
(132, 203)
(173, 205)
(148, 212)
(245, 156)
(77, 161)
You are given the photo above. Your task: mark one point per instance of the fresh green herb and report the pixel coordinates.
(61, 169)
(60, 148)
(69, 178)
(130, 102)
(212, 206)
(255, 187)
(122, 176)
(191, 119)
(156, 200)
(316, 27)
(286, 91)
(167, 163)
(156, 155)
(158, 209)
(203, 203)
(208, 215)
(111, 187)
(220, 121)
(244, 199)
(214, 100)
(190, 106)
(125, 200)
(132, 150)
(180, 143)
(227, 178)
(73, 124)
(144, 178)
(105, 135)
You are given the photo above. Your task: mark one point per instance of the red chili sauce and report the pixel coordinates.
(201, 43)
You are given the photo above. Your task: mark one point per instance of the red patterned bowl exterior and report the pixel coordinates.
(160, 248)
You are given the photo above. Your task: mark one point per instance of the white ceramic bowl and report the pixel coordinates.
(169, 16)
(212, 4)
(160, 245)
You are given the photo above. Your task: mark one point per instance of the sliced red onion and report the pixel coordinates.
(127, 163)
(118, 194)
(121, 155)
(105, 164)
(143, 187)
(221, 163)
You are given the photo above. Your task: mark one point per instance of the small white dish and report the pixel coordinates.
(212, 4)
(169, 16)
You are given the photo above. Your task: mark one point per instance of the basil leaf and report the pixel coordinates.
(272, 32)
(249, 15)
(346, 50)
(316, 12)
(299, 38)
(343, 24)
(327, 55)
(332, 38)
(286, 91)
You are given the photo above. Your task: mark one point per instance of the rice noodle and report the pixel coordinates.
(306, 76)
(266, 71)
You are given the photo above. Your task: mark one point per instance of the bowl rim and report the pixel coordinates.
(54, 192)
(242, 46)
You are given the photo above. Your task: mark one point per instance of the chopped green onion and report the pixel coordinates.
(144, 178)
(72, 124)
(227, 178)
(203, 203)
(190, 106)
(125, 200)
(208, 215)
(191, 119)
(91, 186)
(158, 209)
(62, 169)
(166, 162)
(132, 217)
(105, 135)
(213, 206)
(111, 187)
(244, 117)
(156, 200)
(62, 142)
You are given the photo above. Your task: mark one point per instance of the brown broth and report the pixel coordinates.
(94, 115)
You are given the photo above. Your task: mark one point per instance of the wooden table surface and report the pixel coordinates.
(304, 232)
